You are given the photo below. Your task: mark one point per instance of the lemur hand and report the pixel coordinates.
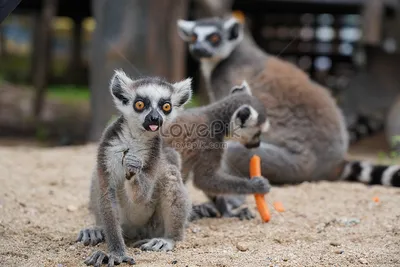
(260, 185)
(132, 164)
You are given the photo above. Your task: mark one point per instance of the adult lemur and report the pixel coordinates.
(308, 140)
(136, 193)
(198, 134)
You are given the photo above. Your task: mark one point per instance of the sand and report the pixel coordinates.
(44, 197)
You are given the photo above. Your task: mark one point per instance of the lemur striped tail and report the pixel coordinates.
(364, 127)
(371, 174)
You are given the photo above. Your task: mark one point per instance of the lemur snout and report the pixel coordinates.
(153, 121)
(199, 51)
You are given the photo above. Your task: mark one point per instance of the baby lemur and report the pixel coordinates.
(136, 193)
(198, 134)
(308, 140)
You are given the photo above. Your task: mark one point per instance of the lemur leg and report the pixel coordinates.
(277, 164)
(174, 209)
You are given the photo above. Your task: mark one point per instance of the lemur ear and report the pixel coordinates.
(182, 93)
(265, 126)
(185, 29)
(119, 85)
(244, 116)
(233, 27)
(243, 88)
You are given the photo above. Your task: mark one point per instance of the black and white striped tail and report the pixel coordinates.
(371, 174)
(364, 127)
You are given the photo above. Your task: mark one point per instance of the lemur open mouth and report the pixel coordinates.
(153, 128)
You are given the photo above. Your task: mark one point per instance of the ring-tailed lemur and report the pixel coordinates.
(136, 193)
(198, 134)
(308, 140)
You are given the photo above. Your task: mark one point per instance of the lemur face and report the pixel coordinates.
(150, 101)
(249, 121)
(211, 38)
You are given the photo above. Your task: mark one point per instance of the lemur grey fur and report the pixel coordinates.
(198, 134)
(308, 140)
(136, 193)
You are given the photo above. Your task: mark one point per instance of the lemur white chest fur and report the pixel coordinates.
(207, 67)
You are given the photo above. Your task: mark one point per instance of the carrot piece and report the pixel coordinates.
(279, 206)
(255, 170)
(375, 199)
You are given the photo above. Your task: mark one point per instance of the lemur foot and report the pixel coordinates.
(244, 213)
(260, 185)
(155, 244)
(91, 236)
(205, 210)
(99, 257)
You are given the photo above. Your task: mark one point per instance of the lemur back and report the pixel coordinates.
(308, 139)
(136, 193)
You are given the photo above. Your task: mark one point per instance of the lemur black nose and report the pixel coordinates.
(199, 51)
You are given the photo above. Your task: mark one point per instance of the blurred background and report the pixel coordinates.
(57, 56)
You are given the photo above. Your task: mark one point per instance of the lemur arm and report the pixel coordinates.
(108, 202)
(218, 182)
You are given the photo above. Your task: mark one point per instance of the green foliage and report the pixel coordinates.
(69, 93)
(42, 133)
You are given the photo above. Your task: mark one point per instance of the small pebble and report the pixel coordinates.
(195, 230)
(212, 227)
(335, 244)
(60, 265)
(71, 208)
(339, 251)
(363, 261)
(285, 259)
(242, 247)
(22, 204)
(174, 262)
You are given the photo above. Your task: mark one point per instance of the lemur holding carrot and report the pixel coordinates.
(199, 135)
(308, 140)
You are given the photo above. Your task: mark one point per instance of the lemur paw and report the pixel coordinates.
(133, 165)
(260, 185)
(245, 213)
(99, 257)
(205, 210)
(158, 244)
(91, 236)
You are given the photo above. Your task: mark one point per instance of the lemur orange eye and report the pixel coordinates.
(139, 105)
(214, 38)
(166, 107)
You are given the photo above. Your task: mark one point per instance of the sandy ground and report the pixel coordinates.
(43, 204)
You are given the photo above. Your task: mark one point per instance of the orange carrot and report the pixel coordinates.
(279, 206)
(255, 170)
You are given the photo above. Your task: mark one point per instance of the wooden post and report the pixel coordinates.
(42, 64)
(2, 42)
(75, 63)
(372, 22)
